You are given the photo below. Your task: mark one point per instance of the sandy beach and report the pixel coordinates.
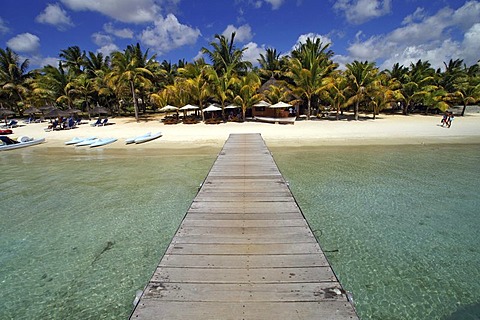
(385, 130)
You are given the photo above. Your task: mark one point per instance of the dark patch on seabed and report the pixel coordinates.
(470, 312)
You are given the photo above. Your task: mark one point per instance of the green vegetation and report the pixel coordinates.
(130, 81)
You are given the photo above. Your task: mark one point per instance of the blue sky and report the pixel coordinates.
(384, 31)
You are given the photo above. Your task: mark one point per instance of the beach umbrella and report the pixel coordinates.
(211, 108)
(31, 110)
(46, 108)
(5, 113)
(188, 107)
(100, 110)
(262, 103)
(280, 105)
(57, 113)
(72, 111)
(168, 108)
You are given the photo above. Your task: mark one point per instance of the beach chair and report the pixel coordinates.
(97, 123)
(11, 124)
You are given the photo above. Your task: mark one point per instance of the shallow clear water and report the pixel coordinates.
(400, 224)
(82, 230)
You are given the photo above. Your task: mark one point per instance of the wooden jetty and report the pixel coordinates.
(244, 250)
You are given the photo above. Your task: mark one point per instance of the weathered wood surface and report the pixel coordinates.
(244, 250)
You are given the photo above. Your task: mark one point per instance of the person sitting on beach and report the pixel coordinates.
(444, 118)
(450, 119)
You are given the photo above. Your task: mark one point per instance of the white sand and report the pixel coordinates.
(386, 129)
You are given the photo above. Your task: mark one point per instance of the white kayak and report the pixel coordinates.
(24, 141)
(132, 140)
(86, 142)
(148, 138)
(102, 142)
(78, 140)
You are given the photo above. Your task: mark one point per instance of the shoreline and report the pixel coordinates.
(385, 130)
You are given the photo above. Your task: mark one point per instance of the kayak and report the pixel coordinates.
(6, 131)
(132, 140)
(102, 142)
(9, 144)
(78, 140)
(148, 138)
(86, 142)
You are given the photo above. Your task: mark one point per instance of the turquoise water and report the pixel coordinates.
(400, 224)
(82, 230)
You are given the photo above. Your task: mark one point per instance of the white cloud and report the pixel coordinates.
(107, 49)
(138, 11)
(275, 3)
(56, 16)
(25, 42)
(101, 39)
(253, 51)
(360, 11)
(471, 44)
(168, 34)
(242, 33)
(124, 33)
(426, 38)
(303, 38)
(3, 27)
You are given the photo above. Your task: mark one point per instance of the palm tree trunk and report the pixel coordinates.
(135, 102)
(356, 110)
(464, 108)
(309, 104)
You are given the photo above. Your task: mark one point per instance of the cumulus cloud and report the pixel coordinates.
(107, 49)
(3, 27)
(275, 3)
(242, 33)
(138, 11)
(124, 33)
(25, 42)
(168, 34)
(426, 38)
(303, 38)
(56, 16)
(360, 11)
(253, 51)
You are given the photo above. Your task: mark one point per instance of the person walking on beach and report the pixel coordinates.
(444, 118)
(450, 119)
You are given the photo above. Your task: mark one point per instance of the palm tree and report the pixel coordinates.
(14, 77)
(197, 82)
(361, 77)
(129, 67)
(226, 57)
(309, 66)
(416, 84)
(73, 59)
(336, 85)
(51, 85)
(221, 86)
(271, 65)
(245, 92)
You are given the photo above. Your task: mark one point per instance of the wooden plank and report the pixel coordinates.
(244, 250)
(244, 261)
(174, 310)
(231, 292)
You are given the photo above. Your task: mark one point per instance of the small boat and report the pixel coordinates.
(86, 142)
(78, 140)
(9, 144)
(281, 120)
(132, 140)
(148, 138)
(102, 142)
(6, 131)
